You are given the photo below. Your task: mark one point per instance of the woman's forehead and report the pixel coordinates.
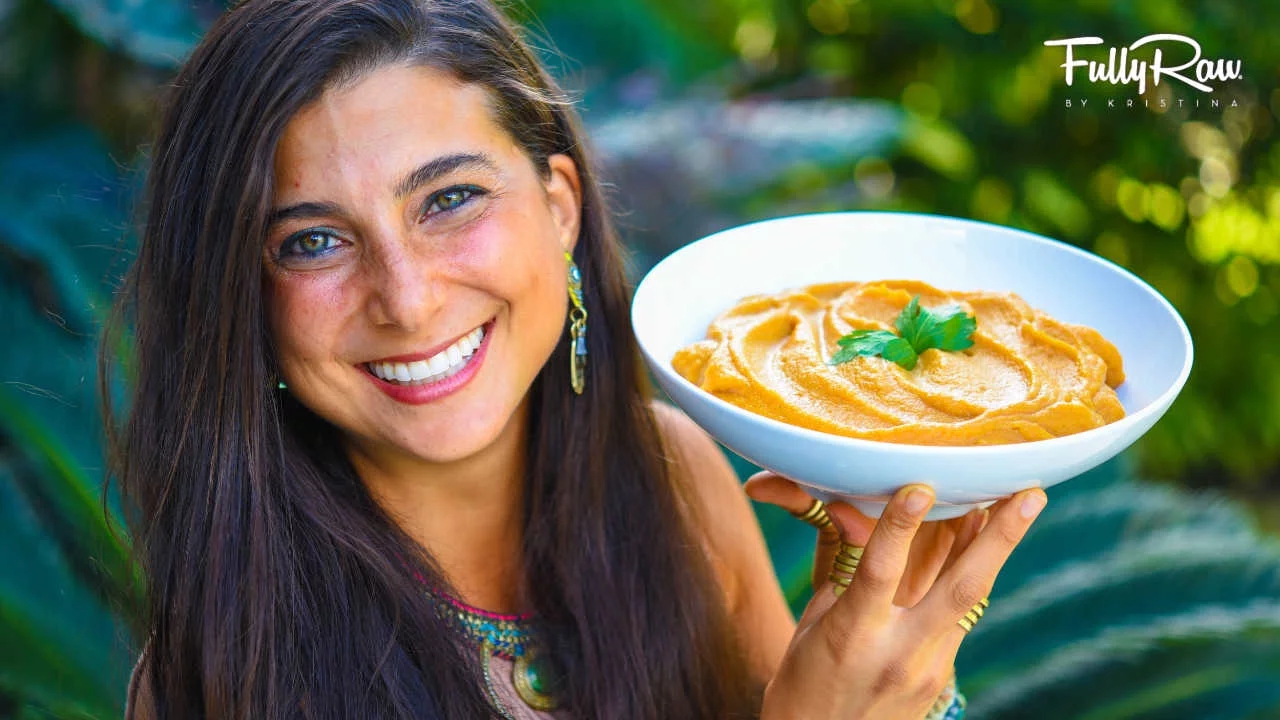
(385, 124)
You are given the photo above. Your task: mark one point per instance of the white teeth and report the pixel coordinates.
(439, 366)
(419, 370)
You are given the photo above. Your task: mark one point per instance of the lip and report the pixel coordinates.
(430, 392)
(429, 352)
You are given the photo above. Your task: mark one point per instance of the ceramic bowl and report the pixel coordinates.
(682, 294)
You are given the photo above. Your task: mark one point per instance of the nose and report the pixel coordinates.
(404, 288)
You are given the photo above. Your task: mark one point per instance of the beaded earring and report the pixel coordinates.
(577, 328)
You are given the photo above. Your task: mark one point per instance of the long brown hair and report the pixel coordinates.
(277, 587)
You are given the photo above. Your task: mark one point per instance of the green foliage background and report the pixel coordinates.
(1128, 600)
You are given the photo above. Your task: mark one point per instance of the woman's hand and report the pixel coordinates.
(887, 646)
(932, 548)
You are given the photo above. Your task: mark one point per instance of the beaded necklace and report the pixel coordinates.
(510, 637)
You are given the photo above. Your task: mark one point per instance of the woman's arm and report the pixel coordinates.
(734, 541)
(139, 704)
(886, 647)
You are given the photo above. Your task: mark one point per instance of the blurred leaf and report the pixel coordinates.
(65, 499)
(153, 31)
(61, 647)
(1053, 201)
(735, 148)
(60, 217)
(674, 161)
(1119, 579)
(1220, 660)
(61, 220)
(620, 53)
(940, 147)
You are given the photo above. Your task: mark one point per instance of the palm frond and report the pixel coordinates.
(1129, 599)
(63, 649)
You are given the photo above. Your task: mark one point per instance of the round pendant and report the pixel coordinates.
(535, 680)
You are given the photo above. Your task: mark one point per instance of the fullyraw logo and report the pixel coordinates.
(1121, 68)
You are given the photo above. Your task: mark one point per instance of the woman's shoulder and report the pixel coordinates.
(722, 513)
(139, 704)
(718, 508)
(695, 459)
(683, 438)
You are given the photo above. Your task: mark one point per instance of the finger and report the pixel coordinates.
(822, 600)
(929, 550)
(825, 548)
(971, 525)
(855, 528)
(768, 487)
(885, 558)
(986, 517)
(973, 574)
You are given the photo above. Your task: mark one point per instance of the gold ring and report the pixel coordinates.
(816, 515)
(975, 613)
(844, 566)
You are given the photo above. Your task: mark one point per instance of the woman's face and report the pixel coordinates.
(416, 278)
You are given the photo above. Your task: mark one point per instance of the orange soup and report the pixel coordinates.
(1026, 377)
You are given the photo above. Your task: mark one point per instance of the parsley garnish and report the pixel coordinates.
(946, 328)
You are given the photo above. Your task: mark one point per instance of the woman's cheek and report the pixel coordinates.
(505, 247)
(303, 306)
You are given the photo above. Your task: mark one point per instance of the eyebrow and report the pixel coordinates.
(425, 173)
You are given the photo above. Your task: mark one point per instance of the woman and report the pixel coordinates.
(374, 473)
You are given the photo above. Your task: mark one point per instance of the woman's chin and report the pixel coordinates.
(448, 442)
(438, 453)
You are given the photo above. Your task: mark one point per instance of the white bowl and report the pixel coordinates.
(681, 295)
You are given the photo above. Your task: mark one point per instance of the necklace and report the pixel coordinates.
(510, 637)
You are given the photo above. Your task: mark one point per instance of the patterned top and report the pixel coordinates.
(500, 678)
(519, 680)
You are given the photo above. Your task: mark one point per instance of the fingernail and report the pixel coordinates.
(916, 501)
(1032, 504)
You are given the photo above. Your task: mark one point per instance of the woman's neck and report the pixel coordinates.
(469, 515)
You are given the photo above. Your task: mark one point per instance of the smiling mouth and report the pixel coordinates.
(444, 364)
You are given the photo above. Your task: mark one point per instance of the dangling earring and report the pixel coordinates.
(577, 328)
(281, 386)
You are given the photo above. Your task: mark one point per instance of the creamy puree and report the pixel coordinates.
(1027, 376)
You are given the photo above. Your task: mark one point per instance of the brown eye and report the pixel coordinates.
(450, 199)
(315, 242)
(309, 244)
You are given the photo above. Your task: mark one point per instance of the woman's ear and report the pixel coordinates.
(564, 196)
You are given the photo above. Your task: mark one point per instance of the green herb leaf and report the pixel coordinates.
(862, 342)
(952, 328)
(947, 328)
(900, 351)
(915, 324)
